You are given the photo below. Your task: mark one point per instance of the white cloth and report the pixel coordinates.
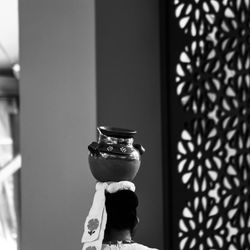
(133, 246)
(96, 220)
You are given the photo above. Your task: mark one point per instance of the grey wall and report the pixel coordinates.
(128, 91)
(58, 120)
(58, 110)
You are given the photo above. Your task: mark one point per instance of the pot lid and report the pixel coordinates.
(117, 132)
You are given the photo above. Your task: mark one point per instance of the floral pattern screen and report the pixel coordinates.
(212, 84)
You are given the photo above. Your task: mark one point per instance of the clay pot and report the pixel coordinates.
(114, 157)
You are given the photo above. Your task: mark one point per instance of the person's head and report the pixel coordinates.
(121, 211)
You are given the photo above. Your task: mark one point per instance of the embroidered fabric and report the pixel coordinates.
(96, 220)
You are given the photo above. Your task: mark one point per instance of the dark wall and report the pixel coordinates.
(128, 95)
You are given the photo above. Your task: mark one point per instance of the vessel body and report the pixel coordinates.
(115, 157)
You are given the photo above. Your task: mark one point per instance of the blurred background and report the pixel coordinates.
(10, 160)
(177, 72)
(83, 64)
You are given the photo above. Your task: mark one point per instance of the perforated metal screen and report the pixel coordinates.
(206, 119)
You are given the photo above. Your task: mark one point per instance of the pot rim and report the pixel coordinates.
(117, 132)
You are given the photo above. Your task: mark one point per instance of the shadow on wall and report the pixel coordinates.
(128, 96)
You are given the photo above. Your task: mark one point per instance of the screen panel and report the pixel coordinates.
(206, 114)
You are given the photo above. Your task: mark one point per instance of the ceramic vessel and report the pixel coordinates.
(115, 157)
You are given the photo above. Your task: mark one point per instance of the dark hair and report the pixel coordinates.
(121, 210)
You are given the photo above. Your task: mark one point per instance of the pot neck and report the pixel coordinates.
(114, 140)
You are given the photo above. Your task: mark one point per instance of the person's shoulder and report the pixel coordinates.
(142, 247)
(133, 246)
